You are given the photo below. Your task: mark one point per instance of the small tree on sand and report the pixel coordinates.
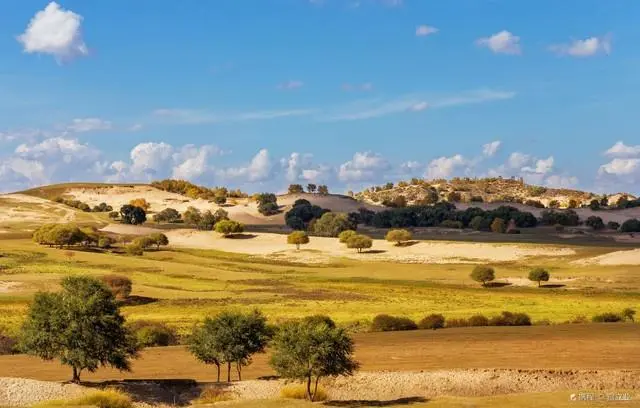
(629, 314)
(298, 238)
(228, 228)
(359, 242)
(399, 236)
(344, 236)
(483, 274)
(539, 275)
(308, 351)
(158, 238)
(81, 326)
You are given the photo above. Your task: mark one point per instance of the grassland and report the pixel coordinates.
(182, 286)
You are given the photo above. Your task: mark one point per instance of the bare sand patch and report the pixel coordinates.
(275, 245)
(124, 229)
(20, 392)
(19, 208)
(384, 386)
(631, 257)
(6, 287)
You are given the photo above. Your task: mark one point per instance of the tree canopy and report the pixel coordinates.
(81, 326)
(130, 214)
(483, 274)
(399, 236)
(229, 227)
(298, 238)
(539, 275)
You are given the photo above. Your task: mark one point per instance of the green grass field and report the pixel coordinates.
(182, 286)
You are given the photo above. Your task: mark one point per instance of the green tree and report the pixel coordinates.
(81, 326)
(632, 225)
(332, 224)
(399, 236)
(119, 285)
(220, 199)
(229, 227)
(295, 189)
(483, 274)
(192, 216)
(539, 275)
(344, 236)
(167, 215)
(498, 226)
(323, 189)
(595, 223)
(359, 242)
(629, 314)
(311, 188)
(130, 214)
(298, 238)
(308, 351)
(158, 238)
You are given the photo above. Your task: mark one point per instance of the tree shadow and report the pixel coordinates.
(241, 236)
(137, 301)
(269, 378)
(176, 393)
(407, 243)
(375, 403)
(374, 251)
(497, 284)
(553, 286)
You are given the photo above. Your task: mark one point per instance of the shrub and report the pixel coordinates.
(119, 285)
(8, 344)
(595, 223)
(612, 225)
(332, 224)
(581, 319)
(359, 242)
(109, 398)
(478, 320)
(384, 322)
(320, 319)
(510, 319)
(433, 321)
(269, 208)
(345, 235)
(498, 226)
(105, 242)
(300, 392)
(134, 249)
(153, 334)
(452, 224)
(483, 274)
(543, 322)
(608, 317)
(228, 228)
(140, 202)
(457, 323)
(534, 203)
(629, 314)
(399, 236)
(211, 395)
(632, 225)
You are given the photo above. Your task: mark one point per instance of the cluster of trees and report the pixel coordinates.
(437, 214)
(485, 274)
(204, 221)
(61, 235)
(228, 228)
(102, 207)
(356, 241)
(170, 215)
(304, 216)
(385, 322)
(267, 203)
(82, 327)
(217, 194)
(130, 214)
(140, 244)
(321, 189)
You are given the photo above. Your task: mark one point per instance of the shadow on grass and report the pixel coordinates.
(553, 286)
(137, 301)
(176, 393)
(407, 243)
(375, 403)
(374, 251)
(241, 236)
(497, 284)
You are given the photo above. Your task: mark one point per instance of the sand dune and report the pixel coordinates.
(631, 257)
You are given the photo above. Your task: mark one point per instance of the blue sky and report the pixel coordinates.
(258, 94)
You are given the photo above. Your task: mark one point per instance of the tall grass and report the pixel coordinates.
(108, 398)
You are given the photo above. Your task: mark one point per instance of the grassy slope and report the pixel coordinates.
(56, 190)
(183, 286)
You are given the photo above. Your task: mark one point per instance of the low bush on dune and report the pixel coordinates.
(300, 392)
(384, 322)
(510, 319)
(108, 398)
(432, 322)
(153, 334)
(478, 320)
(608, 317)
(211, 395)
(457, 323)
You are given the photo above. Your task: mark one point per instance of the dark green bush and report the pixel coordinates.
(451, 224)
(478, 320)
(510, 319)
(384, 322)
(608, 317)
(8, 344)
(433, 321)
(457, 323)
(320, 319)
(153, 334)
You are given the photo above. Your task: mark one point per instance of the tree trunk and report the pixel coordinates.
(229, 372)
(218, 366)
(239, 370)
(297, 246)
(538, 283)
(309, 389)
(315, 390)
(76, 375)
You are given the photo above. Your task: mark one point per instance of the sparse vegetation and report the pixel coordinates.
(384, 322)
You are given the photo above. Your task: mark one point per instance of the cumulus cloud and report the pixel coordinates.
(490, 149)
(503, 42)
(518, 160)
(543, 166)
(364, 166)
(619, 149)
(584, 48)
(621, 167)
(425, 30)
(561, 181)
(55, 31)
(444, 167)
(259, 169)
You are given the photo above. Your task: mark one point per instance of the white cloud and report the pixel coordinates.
(543, 166)
(518, 160)
(418, 107)
(584, 48)
(88, 125)
(192, 162)
(25, 135)
(150, 158)
(619, 149)
(560, 181)
(444, 167)
(425, 30)
(54, 31)
(197, 117)
(620, 167)
(59, 149)
(364, 166)
(135, 127)
(259, 169)
(503, 42)
(291, 84)
(17, 173)
(490, 149)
